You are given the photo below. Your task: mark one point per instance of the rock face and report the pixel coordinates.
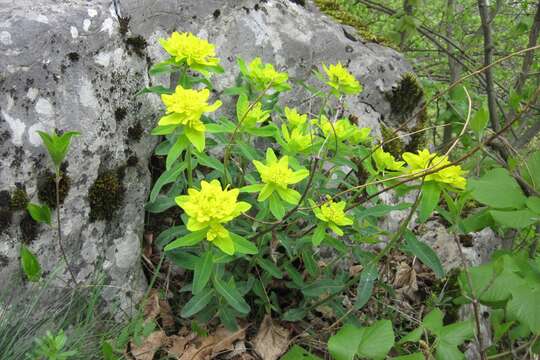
(77, 65)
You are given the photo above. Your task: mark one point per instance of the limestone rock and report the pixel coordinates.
(77, 65)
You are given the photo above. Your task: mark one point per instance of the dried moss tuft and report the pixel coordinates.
(406, 96)
(47, 188)
(137, 44)
(106, 195)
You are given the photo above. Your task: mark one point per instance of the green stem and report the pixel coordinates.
(189, 170)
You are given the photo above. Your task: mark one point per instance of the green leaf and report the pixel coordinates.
(381, 210)
(413, 336)
(344, 344)
(187, 240)
(318, 234)
(531, 172)
(477, 221)
(251, 188)
(365, 285)
(203, 270)
(480, 119)
(322, 286)
(457, 333)
(276, 206)
(425, 253)
(167, 235)
(377, 340)
(243, 245)
(517, 219)
(197, 138)
(163, 130)
(270, 268)
(497, 189)
(226, 315)
(175, 151)
(414, 356)
(209, 161)
(533, 203)
(30, 264)
(197, 303)
(156, 90)
(159, 205)
(41, 214)
(57, 146)
(231, 295)
(294, 314)
(431, 193)
(165, 178)
(183, 259)
(524, 305)
(433, 321)
(163, 67)
(298, 353)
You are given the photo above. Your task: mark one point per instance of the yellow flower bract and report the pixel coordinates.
(211, 207)
(188, 48)
(386, 161)
(451, 175)
(265, 75)
(333, 214)
(341, 80)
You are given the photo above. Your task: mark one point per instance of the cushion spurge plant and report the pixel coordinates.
(303, 182)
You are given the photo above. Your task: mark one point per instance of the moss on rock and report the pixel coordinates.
(391, 144)
(6, 214)
(106, 195)
(19, 199)
(29, 229)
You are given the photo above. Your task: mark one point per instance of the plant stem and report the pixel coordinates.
(189, 170)
(59, 225)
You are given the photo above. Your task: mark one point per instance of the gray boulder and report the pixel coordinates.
(77, 65)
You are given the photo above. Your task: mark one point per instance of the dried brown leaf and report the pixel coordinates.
(149, 346)
(272, 340)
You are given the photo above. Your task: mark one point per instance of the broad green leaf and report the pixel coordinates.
(294, 314)
(497, 189)
(319, 234)
(298, 353)
(425, 253)
(30, 264)
(270, 268)
(197, 303)
(276, 206)
(457, 333)
(524, 305)
(433, 321)
(203, 270)
(231, 295)
(365, 285)
(182, 259)
(477, 221)
(517, 219)
(226, 315)
(187, 240)
(531, 170)
(159, 205)
(40, 213)
(533, 203)
(175, 151)
(57, 145)
(414, 356)
(413, 336)
(377, 340)
(344, 344)
(431, 193)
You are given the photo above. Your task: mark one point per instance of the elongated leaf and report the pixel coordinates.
(57, 145)
(203, 270)
(431, 193)
(155, 90)
(187, 240)
(365, 285)
(197, 303)
(167, 235)
(30, 264)
(270, 268)
(183, 259)
(167, 177)
(424, 253)
(209, 161)
(243, 245)
(231, 295)
(322, 286)
(40, 213)
(175, 151)
(159, 205)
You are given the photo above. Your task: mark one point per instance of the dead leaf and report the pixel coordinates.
(166, 315)
(272, 340)
(148, 348)
(151, 307)
(192, 347)
(355, 270)
(405, 281)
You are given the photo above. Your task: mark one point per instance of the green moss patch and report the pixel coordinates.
(19, 199)
(406, 96)
(106, 195)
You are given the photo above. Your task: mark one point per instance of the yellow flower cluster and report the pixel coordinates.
(424, 160)
(294, 119)
(211, 207)
(277, 176)
(185, 107)
(341, 80)
(265, 76)
(332, 214)
(386, 161)
(344, 130)
(190, 49)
